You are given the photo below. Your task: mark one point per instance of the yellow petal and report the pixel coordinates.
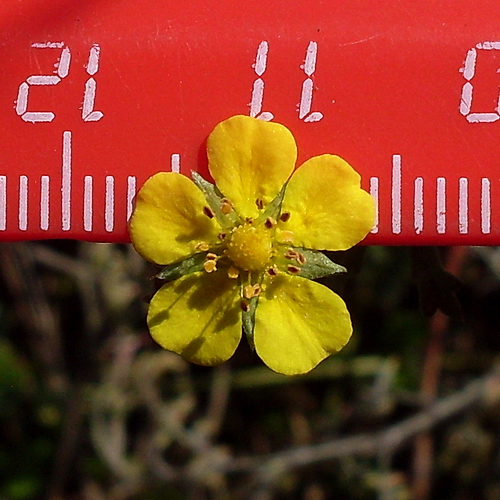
(197, 316)
(168, 221)
(298, 323)
(250, 159)
(328, 209)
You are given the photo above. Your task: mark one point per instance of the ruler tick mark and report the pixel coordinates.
(396, 194)
(44, 202)
(441, 205)
(3, 202)
(87, 202)
(175, 163)
(66, 182)
(23, 202)
(374, 193)
(485, 206)
(463, 205)
(109, 214)
(131, 190)
(418, 211)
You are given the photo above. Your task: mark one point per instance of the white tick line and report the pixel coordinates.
(48, 45)
(3, 202)
(44, 202)
(87, 202)
(418, 211)
(131, 190)
(396, 194)
(441, 205)
(485, 206)
(109, 214)
(374, 193)
(175, 163)
(23, 202)
(66, 182)
(463, 205)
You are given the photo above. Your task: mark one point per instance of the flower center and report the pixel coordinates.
(249, 247)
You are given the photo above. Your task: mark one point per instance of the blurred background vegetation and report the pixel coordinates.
(92, 409)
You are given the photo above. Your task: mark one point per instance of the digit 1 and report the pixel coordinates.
(309, 67)
(258, 85)
(23, 93)
(469, 71)
(88, 113)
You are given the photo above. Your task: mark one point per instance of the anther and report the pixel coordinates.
(202, 246)
(210, 266)
(233, 273)
(260, 203)
(270, 223)
(208, 212)
(273, 271)
(212, 256)
(301, 258)
(245, 306)
(251, 291)
(226, 206)
(293, 269)
(285, 216)
(222, 236)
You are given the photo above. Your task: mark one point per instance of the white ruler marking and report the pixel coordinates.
(109, 212)
(44, 202)
(23, 202)
(374, 193)
(418, 204)
(87, 202)
(3, 202)
(485, 206)
(441, 205)
(66, 182)
(396, 194)
(175, 163)
(463, 205)
(131, 190)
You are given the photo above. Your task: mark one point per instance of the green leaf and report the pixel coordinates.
(317, 264)
(188, 266)
(214, 199)
(248, 318)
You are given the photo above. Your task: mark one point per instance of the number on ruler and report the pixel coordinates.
(63, 64)
(305, 105)
(469, 70)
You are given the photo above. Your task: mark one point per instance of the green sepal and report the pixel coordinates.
(317, 264)
(273, 210)
(248, 318)
(188, 266)
(214, 199)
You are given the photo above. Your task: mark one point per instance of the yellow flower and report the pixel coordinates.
(239, 254)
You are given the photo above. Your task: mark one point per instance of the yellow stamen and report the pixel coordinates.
(208, 212)
(202, 246)
(210, 266)
(251, 291)
(285, 216)
(287, 236)
(233, 273)
(212, 256)
(226, 206)
(260, 203)
(270, 223)
(273, 271)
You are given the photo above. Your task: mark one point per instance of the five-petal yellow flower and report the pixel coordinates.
(238, 252)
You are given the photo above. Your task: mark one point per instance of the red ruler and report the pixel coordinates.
(96, 96)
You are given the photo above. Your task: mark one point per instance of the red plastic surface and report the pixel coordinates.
(96, 96)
